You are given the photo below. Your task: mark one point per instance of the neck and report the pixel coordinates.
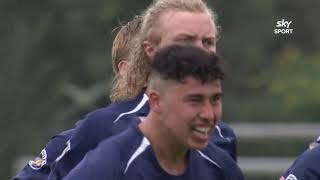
(171, 155)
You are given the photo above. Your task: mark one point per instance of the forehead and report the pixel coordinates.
(194, 86)
(192, 23)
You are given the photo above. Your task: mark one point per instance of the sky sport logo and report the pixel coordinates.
(283, 27)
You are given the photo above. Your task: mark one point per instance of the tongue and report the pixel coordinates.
(200, 136)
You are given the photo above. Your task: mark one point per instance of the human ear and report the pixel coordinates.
(154, 100)
(122, 67)
(148, 48)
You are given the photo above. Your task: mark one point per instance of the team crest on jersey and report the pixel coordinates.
(291, 177)
(39, 161)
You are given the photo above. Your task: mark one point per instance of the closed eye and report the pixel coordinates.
(184, 39)
(209, 42)
(216, 98)
(194, 99)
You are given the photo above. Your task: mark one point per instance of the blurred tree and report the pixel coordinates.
(295, 82)
(47, 49)
(251, 52)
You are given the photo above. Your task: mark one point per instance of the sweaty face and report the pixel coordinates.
(191, 111)
(188, 28)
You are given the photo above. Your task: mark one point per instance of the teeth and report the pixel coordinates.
(202, 129)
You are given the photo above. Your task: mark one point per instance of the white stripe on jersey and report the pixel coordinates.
(143, 146)
(210, 160)
(66, 149)
(219, 130)
(137, 108)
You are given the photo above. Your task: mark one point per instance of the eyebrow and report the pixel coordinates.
(193, 35)
(201, 95)
(220, 94)
(210, 38)
(190, 96)
(185, 35)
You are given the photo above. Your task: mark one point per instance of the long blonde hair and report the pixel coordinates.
(138, 68)
(122, 45)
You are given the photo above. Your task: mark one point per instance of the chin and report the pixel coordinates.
(198, 146)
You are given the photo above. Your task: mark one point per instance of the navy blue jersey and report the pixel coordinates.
(306, 167)
(225, 138)
(96, 127)
(129, 156)
(112, 120)
(39, 168)
(302, 160)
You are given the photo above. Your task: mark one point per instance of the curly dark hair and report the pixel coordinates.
(178, 62)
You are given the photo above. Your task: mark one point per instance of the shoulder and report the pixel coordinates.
(102, 114)
(94, 125)
(57, 143)
(103, 123)
(310, 157)
(306, 165)
(130, 136)
(97, 119)
(118, 110)
(108, 159)
(116, 117)
(225, 129)
(225, 138)
(61, 137)
(40, 166)
(218, 155)
(227, 165)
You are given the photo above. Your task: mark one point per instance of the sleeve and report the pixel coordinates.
(306, 167)
(39, 168)
(86, 136)
(287, 172)
(100, 163)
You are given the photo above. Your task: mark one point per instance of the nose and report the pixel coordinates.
(207, 112)
(199, 44)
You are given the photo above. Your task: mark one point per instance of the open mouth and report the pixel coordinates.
(203, 130)
(201, 134)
